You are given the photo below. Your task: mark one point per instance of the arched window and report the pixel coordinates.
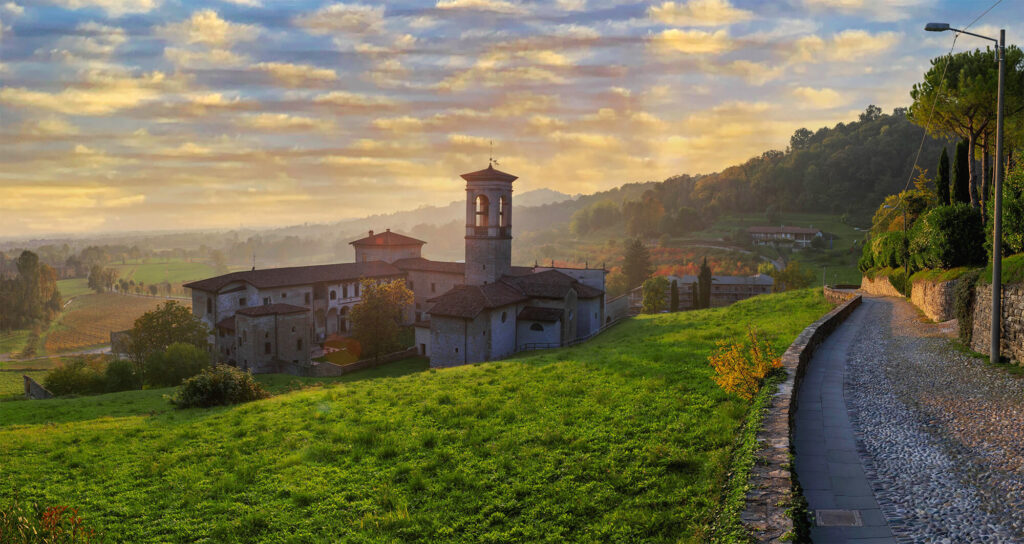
(343, 319)
(503, 212)
(504, 316)
(483, 210)
(334, 294)
(537, 327)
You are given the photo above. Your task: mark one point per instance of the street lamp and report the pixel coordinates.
(997, 215)
(906, 243)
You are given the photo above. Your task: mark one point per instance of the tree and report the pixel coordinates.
(172, 366)
(872, 113)
(792, 277)
(654, 294)
(377, 320)
(800, 139)
(942, 181)
(704, 279)
(673, 304)
(616, 284)
(156, 330)
(961, 175)
(636, 263)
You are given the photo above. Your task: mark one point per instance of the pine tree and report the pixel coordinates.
(961, 174)
(674, 297)
(637, 264)
(704, 281)
(942, 181)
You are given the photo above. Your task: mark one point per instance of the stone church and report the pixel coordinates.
(478, 310)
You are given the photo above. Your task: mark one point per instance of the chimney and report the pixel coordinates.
(371, 233)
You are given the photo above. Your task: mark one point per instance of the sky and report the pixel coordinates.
(120, 115)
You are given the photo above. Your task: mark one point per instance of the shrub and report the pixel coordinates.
(121, 376)
(741, 367)
(30, 524)
(888, 249)
(654, 294)
(216, 386)
(948, 237)
(76, 377)
(963, 304)
(174, 365)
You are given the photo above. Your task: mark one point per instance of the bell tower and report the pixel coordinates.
(488, 225)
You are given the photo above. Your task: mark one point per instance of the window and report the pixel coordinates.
(284, 295)
(504, 316)
(334, 294)
(570, 315)
(537, 327)
(344, 291)
(482, 210)
(209, 306)
(293, 329)
(433, 287)
(419, 316)
(266, 348)
(242, 301)
(266, 301)
(503, 212)
(307, 298)
(298, 344)
(410, 285)
(355, 289)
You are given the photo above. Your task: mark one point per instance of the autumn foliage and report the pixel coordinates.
(741, 367)
(31, 524)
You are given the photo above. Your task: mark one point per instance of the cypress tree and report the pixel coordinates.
(674, 297)
(961, 174)
(704, 278)
(942, 181)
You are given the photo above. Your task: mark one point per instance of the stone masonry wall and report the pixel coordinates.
(934, 298)
(1012, 337)
(770, 484)
(879, 286)
(836, 296)
(35, 391)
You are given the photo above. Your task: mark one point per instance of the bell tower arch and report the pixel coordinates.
(488, 225)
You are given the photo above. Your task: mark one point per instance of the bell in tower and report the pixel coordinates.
(488, 225)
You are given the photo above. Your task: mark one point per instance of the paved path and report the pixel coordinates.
(828, 465)
(899, 438)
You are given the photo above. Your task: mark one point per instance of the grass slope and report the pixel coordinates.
(622, 439)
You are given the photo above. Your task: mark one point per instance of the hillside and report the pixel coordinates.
(623, 439)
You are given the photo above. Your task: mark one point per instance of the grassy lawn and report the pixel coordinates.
(13, 341)
(73, 287)
(89, 319)
(12, 385)
(623, 439)
(173, 271)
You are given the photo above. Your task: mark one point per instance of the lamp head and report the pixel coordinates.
(936, 27)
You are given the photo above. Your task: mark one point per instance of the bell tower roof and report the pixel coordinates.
(489, 174)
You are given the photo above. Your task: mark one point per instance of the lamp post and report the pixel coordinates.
(906, 243)
(997, 214)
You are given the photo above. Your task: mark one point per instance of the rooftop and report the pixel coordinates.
(534, 313)
(426, 265)
(489, 174)
(387, 238)
(467, 301)
(298, 275)
(271, 309)
(782, 230)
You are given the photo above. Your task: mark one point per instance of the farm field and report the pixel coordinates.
(174, 272)
(622, 439)
(12, 385)
(73, 287)
(13, 341)
(89, 319)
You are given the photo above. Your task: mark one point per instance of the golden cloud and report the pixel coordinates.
(674, 40)
(349, 18)
(203, 58)
(296, 75)
(114, 8)
(497, 6)
(822, 98)
(698, 13)
(848, 45)
(284, 121)
(99, 94)
(206, 27)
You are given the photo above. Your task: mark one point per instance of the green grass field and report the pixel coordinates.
(12, 385)
(13, 341)
(623, 439)
(173, 271)
(73, 287)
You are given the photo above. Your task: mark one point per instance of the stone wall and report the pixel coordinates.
(879, 286)
(322, 369)
(770, 484)
(837, 295)
(35, 391)
(1012, 337)
(934, 298)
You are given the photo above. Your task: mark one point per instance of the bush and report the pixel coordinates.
(30, 524)
(888, 249)
(174, 365)
(741, 368)
(121, 376)
(898, 278)
(217, 386)
(948, 237)
(76, 377)
(963, 304)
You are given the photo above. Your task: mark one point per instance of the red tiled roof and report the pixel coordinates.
(227, 323)
(782, 230)
(534, 313)
(271, 309)
(387, 238)
(550, 284)
(426, 265)
(298, 275)
(467, 301)
(489, 174)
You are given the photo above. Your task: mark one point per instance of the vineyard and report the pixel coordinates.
(89, 319)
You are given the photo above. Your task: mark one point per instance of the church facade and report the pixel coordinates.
(478, 310)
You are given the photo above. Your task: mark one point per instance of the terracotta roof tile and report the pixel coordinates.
(298, 275)
(534, 313)
(489, 174)
(271, 309)
(426, 265)
(387, 238)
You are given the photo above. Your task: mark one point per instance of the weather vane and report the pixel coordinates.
(491, 161)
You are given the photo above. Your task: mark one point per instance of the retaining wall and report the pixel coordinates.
(771, 481)
(839, 294)
(934, 298)
(35, 391)
(322, 369)
(879, 286)
(1012, 336)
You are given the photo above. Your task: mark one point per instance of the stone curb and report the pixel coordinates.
(769, 487)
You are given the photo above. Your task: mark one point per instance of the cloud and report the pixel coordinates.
(114, 8)
(206, 27)
(296, 75)
(347, 99)
(822, 98)
(497, 6)
(12, 8)
(593, 140)
(99, 93)
(204, 58)
(674, 40)
(91, 40)
(755, 73)
(284, 121)
(401, 124)
(698, 13)
(348, 18)
(51, 126)
(848, 45)
(875, 10)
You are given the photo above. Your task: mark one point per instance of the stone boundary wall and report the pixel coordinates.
(321, 369)
(934, 298)
(839, 294)
(879, 286)
(34, 391)
(1012, 336)
(770, 485)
